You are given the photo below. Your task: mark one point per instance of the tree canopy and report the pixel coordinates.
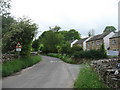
(5, 6)
(55, 29)
(72, 34)
(21, 31)
(109, 29)
(53, 40)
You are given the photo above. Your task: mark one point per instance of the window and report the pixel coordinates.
(88, 44)
(93, 43)
(113, 42)
(98, 43)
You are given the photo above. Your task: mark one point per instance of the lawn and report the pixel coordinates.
(10, 67)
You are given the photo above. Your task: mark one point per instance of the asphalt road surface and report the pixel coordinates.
(49, 73)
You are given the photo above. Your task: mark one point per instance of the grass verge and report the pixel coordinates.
(16, 65)
(87, 78)
(64, 57)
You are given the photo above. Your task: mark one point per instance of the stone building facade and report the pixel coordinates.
(96, 41)
(115, 42)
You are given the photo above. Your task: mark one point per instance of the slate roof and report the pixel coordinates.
(97, 37)
(117, 34)
(81, 41)
(71, 41)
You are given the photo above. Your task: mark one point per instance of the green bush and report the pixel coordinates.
(103, 51)
(65, 48)
(77, 48)
(13, 66)
(87, 78)
(91, 54)
(74, 49)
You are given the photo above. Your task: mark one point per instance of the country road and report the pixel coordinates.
(49, 73)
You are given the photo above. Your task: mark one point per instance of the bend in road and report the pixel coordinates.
(49, 73)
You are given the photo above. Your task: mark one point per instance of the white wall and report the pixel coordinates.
(84, 43)
(107, 41)
(112, 53)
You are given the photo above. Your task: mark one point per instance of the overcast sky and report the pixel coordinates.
(81, 15)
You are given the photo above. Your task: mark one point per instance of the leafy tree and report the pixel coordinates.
(65, 48)
(50, 40)
(6, 22)
(70, 35)
(4, 12)
(64, 33)
(57, 41)
(5, 6)
(36, 44)
(109, 29)
(55, 29)
(22, 31)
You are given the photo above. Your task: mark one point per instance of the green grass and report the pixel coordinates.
(64, 57)
(112, 56)
(87, 78)
(16, 65)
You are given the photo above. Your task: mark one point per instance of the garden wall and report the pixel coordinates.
(106, 68)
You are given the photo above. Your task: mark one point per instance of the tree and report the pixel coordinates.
(22, 31)
(72, 34)
(109, 29)
(65, 48)
(36, 44)
(6, 22)
(5, 6)
(55, 29)
(51, 40)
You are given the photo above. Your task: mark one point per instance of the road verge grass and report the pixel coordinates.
(63, 57)
(10, 67)
(88, 78)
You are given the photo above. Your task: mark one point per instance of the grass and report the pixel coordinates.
(64, 57)
(87, 78)
(112, 56)
(10, 67)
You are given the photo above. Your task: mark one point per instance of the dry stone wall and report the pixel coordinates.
(108, 71)
(8, 57)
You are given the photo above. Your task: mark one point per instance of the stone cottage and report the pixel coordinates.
(82, 42)
(96, 41)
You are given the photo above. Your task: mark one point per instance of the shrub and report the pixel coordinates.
(103, 51)
(65, 48)
(91, 54)
(75, 48)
